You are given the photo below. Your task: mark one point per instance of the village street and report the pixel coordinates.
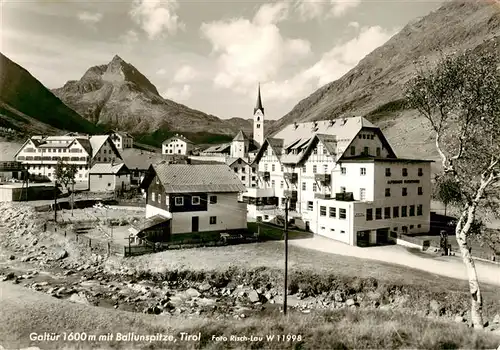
(450, 266)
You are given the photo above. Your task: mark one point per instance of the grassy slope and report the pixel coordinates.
(374, 88)
(8, 150)
(24, 312)
(20, 90)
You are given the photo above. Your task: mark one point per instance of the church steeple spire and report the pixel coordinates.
(258, 105)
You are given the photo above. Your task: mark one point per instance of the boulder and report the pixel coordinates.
(339, 297)
(253, 296)
(373, 296)
(80, 298)
(61, 254)
(436, 307)
(350, 302)
(192, 293)
(205, 286)
(459, 319)
(496, 319)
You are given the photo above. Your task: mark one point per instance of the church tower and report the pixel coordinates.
(258, 121)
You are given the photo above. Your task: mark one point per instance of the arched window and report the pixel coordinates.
(258, 118)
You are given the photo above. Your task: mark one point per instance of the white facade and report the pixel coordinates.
(353, 160)
(40, 154)
(226, 214)
(258, 127)
(109, 182)
(177, 145)
(396, 203)
(122, 140)
(245, 171)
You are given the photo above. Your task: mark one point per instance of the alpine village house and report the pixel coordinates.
(342, 180)
(185, 198)
(40, 154)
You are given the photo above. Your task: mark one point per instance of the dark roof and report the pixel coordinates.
(149, 223)
(141, 160)
(240, 136)
(382, 160)
(258, 105)
(185, 178)
(107, 168)
(121, 133)
(217, 148)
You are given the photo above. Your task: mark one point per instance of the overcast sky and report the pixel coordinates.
(209, 55)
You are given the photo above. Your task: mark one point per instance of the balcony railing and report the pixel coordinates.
(265, 174)
(324, 178)
(290, 194)
(322, 195)
(344, 196)
(292, 177)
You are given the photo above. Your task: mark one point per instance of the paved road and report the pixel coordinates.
(450, 266)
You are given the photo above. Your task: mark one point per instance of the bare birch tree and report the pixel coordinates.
(460, 97)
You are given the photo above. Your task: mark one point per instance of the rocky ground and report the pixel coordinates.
(48, 262)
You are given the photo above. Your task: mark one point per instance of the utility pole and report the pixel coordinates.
(72, 196)
(286, 258)
(55, 201)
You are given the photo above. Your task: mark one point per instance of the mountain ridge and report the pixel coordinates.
(27, 106)
(117, 95)
(378, 78)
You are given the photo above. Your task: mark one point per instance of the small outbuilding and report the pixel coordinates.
(104, 177)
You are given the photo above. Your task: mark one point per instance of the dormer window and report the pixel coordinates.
(258, 118)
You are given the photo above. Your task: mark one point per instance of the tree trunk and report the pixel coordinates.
(445, 207)
(475, 292)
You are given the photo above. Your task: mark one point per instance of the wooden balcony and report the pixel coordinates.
(265, 174)
(292, 177)
(290, 194)
(323, 178)
(322, 195)
(344, 196)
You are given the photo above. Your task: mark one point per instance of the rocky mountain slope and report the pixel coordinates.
(117, 95)
(28, 107)
(374, 87)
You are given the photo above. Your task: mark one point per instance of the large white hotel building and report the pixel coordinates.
(40, 154)
(343, 181)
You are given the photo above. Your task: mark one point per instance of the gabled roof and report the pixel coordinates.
(107, 168)
(121, 133)
(181, 137)
(335, 134)
(218, 148)
(149, 223)
(240, 136)
(85, 143)
(135, 159)
(34, 141)
(275, 144)
(231, 160)
(182, 178)
(96, 143)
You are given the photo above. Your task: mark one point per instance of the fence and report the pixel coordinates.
(97, 246)
(147, 247)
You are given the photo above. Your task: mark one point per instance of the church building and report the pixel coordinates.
(241, 147)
